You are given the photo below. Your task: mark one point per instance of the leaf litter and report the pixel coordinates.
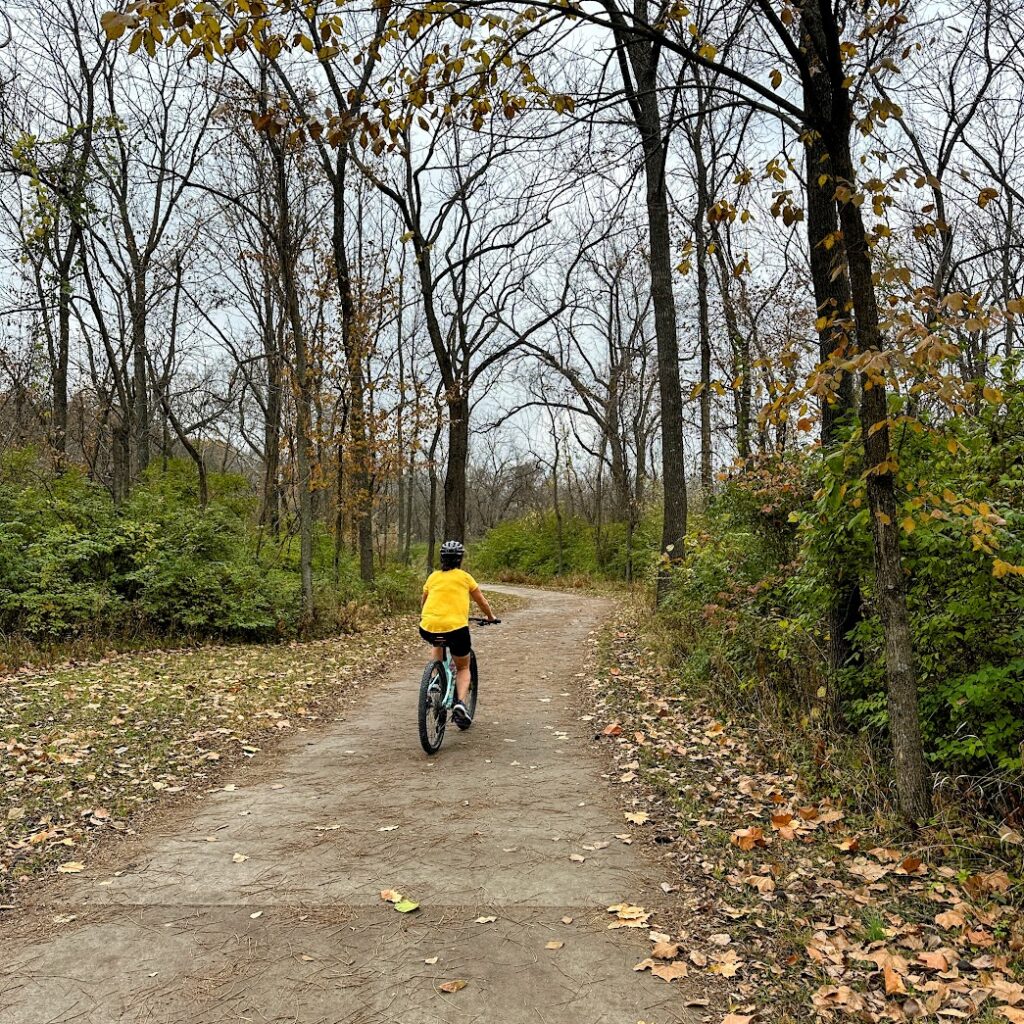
(789, 904)
(87, 748)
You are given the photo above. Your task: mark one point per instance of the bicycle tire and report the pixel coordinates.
(474, 684)
(430, 708)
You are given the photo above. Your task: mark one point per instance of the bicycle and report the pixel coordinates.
(437, 693)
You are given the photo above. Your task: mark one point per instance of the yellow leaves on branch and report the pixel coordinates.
(1001, 569)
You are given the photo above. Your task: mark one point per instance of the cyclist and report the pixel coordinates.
(445, 614)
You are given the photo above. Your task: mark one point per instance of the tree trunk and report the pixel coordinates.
(832, 298)
(60, 366)
(140, 377)
(339, 511)
(704, 330)
(740, 348)
(303, 399)
(912, 781)
(432, 502)
(409, 492)
(648, 121)
(455, 472)
(359, 447)
(703, 316)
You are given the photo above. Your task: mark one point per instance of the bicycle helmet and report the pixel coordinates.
(451, 554)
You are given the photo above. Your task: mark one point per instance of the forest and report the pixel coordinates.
(719, 303)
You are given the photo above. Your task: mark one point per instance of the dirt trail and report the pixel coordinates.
(297, 933)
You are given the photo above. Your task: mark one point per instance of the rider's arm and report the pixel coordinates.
(478, 596)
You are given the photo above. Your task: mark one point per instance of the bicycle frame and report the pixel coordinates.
(450, 672)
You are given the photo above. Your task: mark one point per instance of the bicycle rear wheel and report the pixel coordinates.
(432, 713)
(474, 676)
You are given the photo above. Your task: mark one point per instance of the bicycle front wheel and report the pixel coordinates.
(432, 713)
(474, 676)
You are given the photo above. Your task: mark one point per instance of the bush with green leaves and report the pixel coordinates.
(535, 547)
(748, 603)
(72, 564)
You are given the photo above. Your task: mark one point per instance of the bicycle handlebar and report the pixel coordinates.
(485, 622)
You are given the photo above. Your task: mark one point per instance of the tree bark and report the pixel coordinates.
(140, 353)
(303, 399)
(831, 282)
(643, 100)
(455, 472)
(432, 501)
(359, 447)
(912, 781)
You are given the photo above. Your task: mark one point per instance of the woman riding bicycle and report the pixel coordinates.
(445, 618)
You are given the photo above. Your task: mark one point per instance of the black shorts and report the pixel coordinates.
(457, 641)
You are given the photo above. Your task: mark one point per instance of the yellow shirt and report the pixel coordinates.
(447, 604)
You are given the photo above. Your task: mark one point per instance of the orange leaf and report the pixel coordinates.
(893, 982)
(748, 838)
(670, 972)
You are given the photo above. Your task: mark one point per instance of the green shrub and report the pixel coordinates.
(527, 548)
(748, 604)
(73, 565)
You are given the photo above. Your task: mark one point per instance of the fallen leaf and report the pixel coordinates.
(893, 982)
(71, 867)
(485, 920)
(554, 944)
(670, 972)
(748, 838)
(577, 858)
(453, 986)
(628, 916)
(638, 818)
(239, 858)
(390, 896)
(665, 950)
(259, 913)
(566, 920)
(735, 1018)
(406, 906)
(431, 960)
(933, 961)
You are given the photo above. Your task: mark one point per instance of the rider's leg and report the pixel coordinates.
(462, 679)
(438, 653)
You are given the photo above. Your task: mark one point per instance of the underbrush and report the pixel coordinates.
(791, 899)
(537, 548)
(79, 573)
(746, 620)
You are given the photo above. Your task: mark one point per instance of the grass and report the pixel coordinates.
(89, 747)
